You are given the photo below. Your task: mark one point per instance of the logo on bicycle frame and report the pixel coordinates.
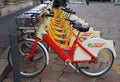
(95, 45)
(86, 34)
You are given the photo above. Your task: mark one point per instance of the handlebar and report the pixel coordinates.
(69, 10)
(71, 21)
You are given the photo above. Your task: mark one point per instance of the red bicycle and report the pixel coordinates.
(93, 57)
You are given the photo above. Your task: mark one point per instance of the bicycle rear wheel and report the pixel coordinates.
(30, 68)
(100, 67)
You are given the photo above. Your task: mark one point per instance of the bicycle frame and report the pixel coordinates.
(61, 53)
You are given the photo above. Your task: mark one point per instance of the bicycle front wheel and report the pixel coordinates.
(100, 67)
(30, 68)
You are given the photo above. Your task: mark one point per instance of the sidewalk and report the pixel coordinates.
(103, 17)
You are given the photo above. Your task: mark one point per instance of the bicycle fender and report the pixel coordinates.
(89, 34)
(46, 52)
(95, 44)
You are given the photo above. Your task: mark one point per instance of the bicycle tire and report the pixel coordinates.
(31, 36)
(39, 58)
(88, 68)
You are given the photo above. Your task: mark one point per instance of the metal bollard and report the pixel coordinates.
(15, 58)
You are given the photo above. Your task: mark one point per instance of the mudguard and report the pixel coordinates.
(94, 45)
(89, 34)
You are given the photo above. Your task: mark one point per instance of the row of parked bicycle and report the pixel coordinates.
(48, 27)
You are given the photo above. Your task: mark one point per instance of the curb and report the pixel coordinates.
(4, 66)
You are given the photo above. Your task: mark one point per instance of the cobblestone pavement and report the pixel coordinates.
(104, 17)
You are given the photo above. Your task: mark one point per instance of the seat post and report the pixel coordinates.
(78, 34)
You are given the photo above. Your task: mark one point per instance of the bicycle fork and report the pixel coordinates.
(33, 49)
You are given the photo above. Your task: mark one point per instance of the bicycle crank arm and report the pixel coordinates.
(68, 62)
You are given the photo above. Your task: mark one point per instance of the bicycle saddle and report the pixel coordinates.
(80, 27)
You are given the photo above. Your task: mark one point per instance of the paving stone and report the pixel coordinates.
(75, 77)
(59, 61)
(58, 67)
(50, 75)
(4, 55)
(3, 64)
(4, 68)
(10, 74)
(31, 79)
(55, 67)
(49, 81)
(107, 80)
(69, 69)
(117, 61)
(53, 55)
(52, 61)
(8, 80)
(111, 74)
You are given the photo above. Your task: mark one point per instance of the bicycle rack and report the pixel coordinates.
(15, 59)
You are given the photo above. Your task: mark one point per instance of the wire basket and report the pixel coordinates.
(25, 22)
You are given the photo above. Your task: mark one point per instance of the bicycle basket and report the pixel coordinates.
(25, 22)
